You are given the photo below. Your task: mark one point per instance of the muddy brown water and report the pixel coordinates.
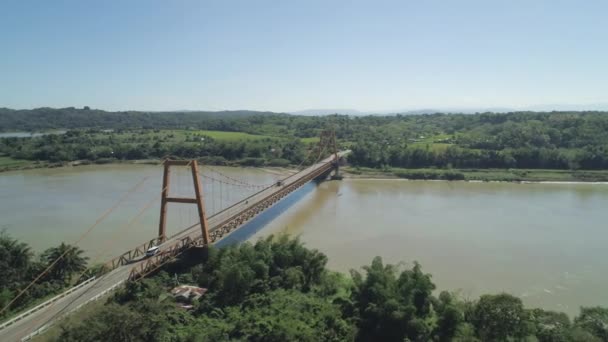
(544, 242)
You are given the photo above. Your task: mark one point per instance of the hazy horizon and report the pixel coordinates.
(353, 111)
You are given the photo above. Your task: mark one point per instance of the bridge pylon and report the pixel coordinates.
(198, 199)
(328, 142)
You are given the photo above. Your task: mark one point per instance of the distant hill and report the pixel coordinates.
(402, 112)
(460, 110)
(329, 112)
(40, 119)
(45, 118)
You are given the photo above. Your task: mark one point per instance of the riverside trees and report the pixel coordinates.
(19, 266)
(555, 140)
(278, 290)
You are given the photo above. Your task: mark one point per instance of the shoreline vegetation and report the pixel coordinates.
(480, 175)
(277, 289)
(19, 165)
(510, 147)
(8, 164)
(47, 277)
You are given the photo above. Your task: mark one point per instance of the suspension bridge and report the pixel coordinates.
(137, 263)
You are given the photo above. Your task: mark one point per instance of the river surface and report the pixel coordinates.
(546, 243)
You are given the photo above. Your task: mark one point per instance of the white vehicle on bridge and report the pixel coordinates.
(151, 251)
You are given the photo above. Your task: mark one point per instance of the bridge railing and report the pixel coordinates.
(238, 219)
(177, 248)
(233, 222)
(131, 254)
(127, 257)
(45, 304)
(154, 262)
(95, 298)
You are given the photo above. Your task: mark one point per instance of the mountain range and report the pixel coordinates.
(464, 110)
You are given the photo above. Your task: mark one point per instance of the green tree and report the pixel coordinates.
(500, 317)
(594, 320)
(144, 320)
(70, 260)
(391, 308)
(550, 326)
(15, 260)
(287, 315)
(449, 317)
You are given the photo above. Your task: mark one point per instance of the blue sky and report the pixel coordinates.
(295, 55)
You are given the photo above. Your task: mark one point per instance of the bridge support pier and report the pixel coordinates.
(336, 173)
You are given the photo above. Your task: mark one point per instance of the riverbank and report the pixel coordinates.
(503, 232)
(11, 164)
(484, 175)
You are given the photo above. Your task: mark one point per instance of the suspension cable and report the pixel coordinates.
(82, 236)
(132, 221)
(107, 246)
(220, 211)
(212, 197)
(308, 153)
(240, 182)
(236, 184)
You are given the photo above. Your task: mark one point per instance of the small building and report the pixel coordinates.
(186, 294)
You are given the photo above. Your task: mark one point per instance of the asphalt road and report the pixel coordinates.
(35, 321)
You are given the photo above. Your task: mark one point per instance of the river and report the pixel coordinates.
(543, 242)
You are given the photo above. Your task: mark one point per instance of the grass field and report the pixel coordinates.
(222, 135)
(217, 135)
(310, 140)
(432, 146)
(10, 163)
(432, 142)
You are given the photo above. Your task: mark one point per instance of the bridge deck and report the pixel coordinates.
(97, 288)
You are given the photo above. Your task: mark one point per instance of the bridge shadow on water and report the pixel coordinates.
(194, 256)
(257, 223)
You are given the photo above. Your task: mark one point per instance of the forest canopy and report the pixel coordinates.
(523, 140)
(276, 289)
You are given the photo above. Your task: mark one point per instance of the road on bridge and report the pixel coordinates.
(25, 327)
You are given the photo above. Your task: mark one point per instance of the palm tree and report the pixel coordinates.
(15, 258)
(70, 260)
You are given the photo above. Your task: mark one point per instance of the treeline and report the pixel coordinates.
(41, 119)
(489, 131)
(515, 140)
(19, 266)
(372, 154)
(278, 290)
(101, 147)
(548, 140)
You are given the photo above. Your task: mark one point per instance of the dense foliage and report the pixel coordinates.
(104, 146)
(515, 140)
(19, 266)
(40, 119)
(556, 140)
(278, 290)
